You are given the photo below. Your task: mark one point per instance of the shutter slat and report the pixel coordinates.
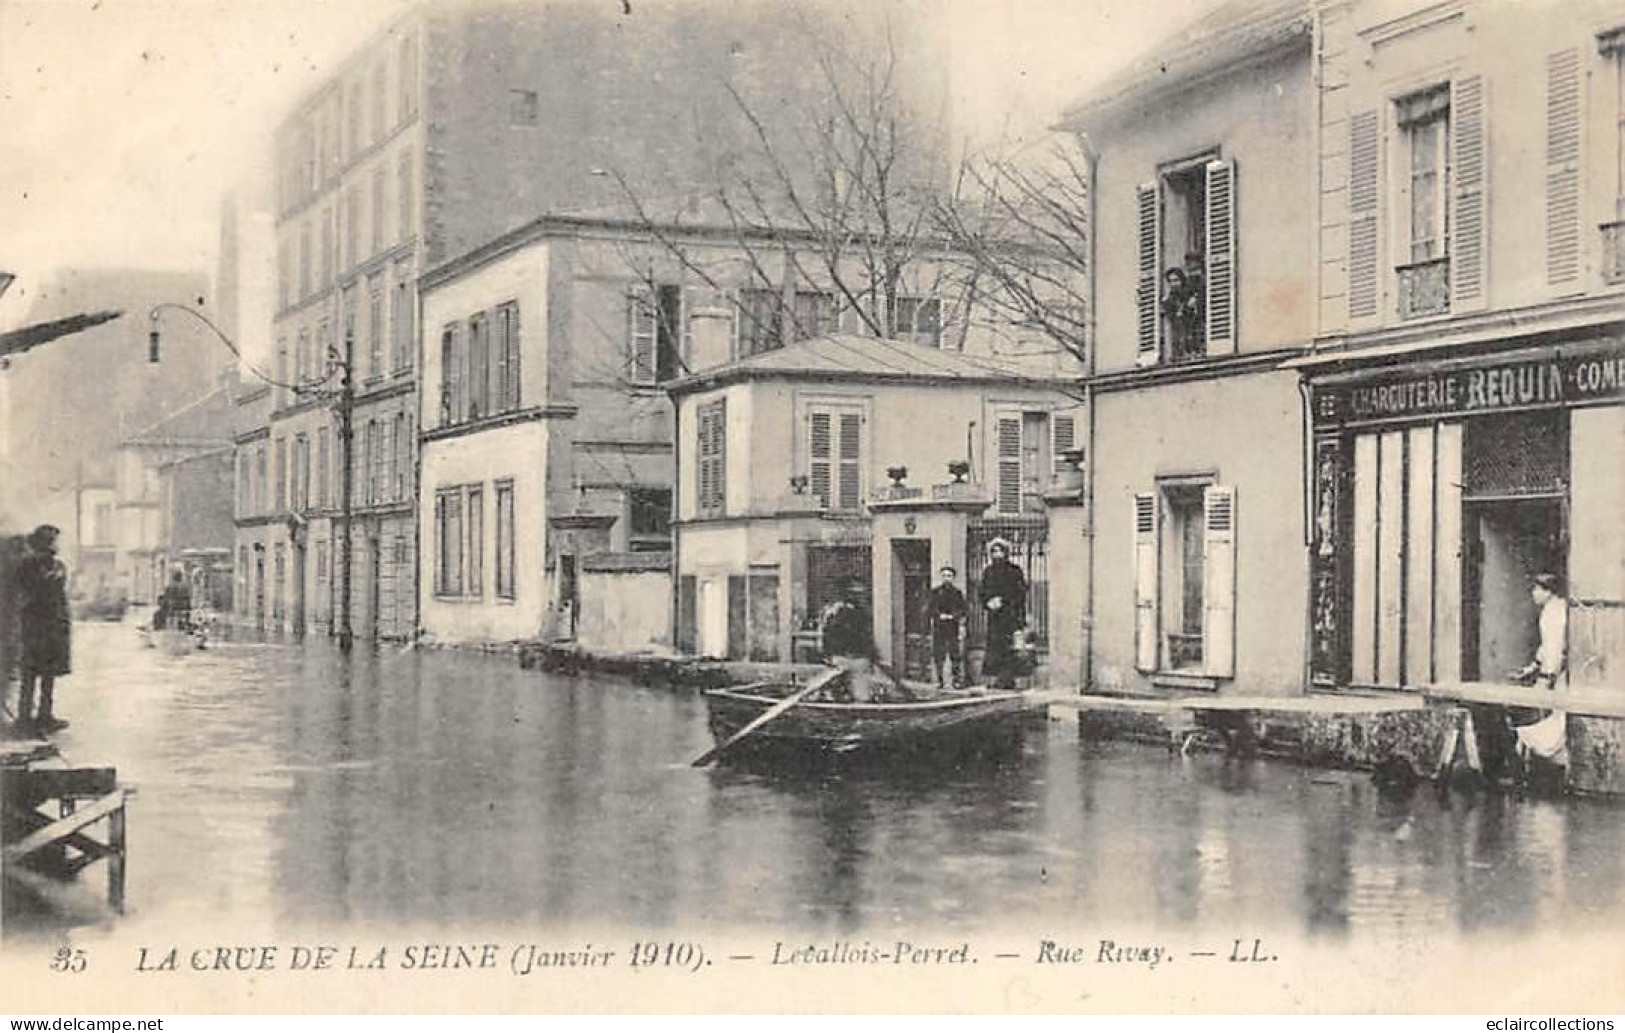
(1145, 296)
(1469, 218)
(1221, 258)
(1563, 139)
(1146, 628)
(1362, 258)
(1219, 582)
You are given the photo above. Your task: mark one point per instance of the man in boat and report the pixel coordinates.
(947, 608)
(45, 626)
(1004, 598)
(849, 643)
(178, 600)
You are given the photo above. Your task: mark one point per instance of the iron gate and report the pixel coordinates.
(1029, 550)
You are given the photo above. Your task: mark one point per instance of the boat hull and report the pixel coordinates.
(943, 723)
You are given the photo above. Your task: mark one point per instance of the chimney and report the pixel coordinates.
(710, 337)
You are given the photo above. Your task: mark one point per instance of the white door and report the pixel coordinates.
(714, 617)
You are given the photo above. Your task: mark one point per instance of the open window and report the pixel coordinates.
(656, 337)
(1184, 559)
(1027, 448)
(1186, 253)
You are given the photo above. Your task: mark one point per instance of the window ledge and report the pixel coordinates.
(1185, 680)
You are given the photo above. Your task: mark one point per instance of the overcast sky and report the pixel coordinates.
(123, 121)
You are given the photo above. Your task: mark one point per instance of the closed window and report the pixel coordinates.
(323, 468)
(450, 375)
(648, 519)
(474, 586)
(406, 455)
(834, 455)
(448, 537)
(919, 320)
(504, 553)
(760, 323)
(507, 357)
(375, 326)
(479, 366)
(401, 321)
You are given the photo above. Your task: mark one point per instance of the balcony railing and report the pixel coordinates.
(1613, 251)
(1424, 288)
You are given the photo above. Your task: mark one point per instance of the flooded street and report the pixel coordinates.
(283, 786)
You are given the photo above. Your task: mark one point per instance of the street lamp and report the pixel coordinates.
(338, 365)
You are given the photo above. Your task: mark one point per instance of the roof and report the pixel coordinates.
(207, 420)
(854, 357)
(1230, 34)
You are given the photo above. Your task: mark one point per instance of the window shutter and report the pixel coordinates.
(1221, 258)
(1563, 168)
(641, 336)
(1469, 217)
(1362, 256)
(820, 454)
(719, 449)
(1219, 581)
(1009, 459)
(851, 476)
(1148, 247)
(514, 345)
(1146, 624)
(1063, 435)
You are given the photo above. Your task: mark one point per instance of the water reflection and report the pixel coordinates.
(294, 787)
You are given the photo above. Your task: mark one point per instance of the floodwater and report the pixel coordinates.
(287, 787)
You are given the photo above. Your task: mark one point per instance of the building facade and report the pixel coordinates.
(1469, 363)
(1203, 284)
(252, 510)
(791, 468)
(172, 493)
(452, 126)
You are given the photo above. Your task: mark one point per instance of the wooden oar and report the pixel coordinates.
(772, 712)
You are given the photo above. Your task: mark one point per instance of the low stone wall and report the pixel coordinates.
(1363, 739)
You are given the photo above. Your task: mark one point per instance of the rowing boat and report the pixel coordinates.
(932, 721)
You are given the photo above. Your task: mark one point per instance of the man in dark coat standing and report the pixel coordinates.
(45, 626)
(947, 606)
(1004, 597)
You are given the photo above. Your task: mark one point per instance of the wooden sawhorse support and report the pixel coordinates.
(39, 846)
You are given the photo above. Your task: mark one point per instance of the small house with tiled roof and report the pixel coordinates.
(849, 464)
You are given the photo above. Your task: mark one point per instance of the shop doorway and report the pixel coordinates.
(1507, 542)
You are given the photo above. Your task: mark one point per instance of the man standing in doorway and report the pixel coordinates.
(1548, 737)
(1004, 597)
(947, 608)
(45, 626)
(1551, 658)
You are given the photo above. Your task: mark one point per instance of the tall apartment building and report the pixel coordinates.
(450, 126)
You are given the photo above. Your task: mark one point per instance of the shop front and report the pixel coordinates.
(1441, 489)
